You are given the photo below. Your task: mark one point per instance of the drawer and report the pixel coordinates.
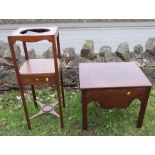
(116, 97)
(37, 80)
(115, 92)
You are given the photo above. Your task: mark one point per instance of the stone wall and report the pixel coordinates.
(145, 59)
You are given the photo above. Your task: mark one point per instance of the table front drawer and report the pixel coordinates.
(37, 80)
(116, 97)
(117, 92)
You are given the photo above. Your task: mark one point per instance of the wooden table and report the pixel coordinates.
(113, 85)
(40, 72)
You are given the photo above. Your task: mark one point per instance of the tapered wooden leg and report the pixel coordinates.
(62, 91)
(141, 114)
(84, 112)
(56, 53)
(60, 105)
(142, 110)
(34, 96)
(25, 107)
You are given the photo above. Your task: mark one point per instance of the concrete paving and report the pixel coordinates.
(81, 25)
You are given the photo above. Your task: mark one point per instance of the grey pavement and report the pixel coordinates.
(81, 25)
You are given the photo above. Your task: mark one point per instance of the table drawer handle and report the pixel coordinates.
(129, 93)
(46, 79)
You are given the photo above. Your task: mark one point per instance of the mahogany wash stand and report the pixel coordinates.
(39, 71)
(113, 85)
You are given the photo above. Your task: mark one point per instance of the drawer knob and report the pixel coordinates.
(46, 79)
(129, 93)
(37, 79)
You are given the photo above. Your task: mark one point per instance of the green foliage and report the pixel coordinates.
(101, 121)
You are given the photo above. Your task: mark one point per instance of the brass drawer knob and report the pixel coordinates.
(37, 79)
(46, 79)
(129, 93)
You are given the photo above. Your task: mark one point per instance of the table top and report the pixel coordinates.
(35, 31)
(111, 75)
(38, 66)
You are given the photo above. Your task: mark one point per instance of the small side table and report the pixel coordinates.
(113, 85)
(40, 72)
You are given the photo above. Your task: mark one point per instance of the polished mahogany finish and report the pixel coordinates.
(113, 85)
(36, 34)
(38, 66)
(38, 71)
